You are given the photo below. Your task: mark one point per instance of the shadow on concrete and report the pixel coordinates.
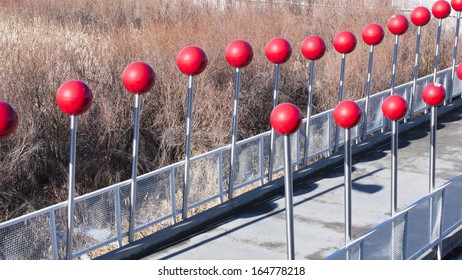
(367, 188)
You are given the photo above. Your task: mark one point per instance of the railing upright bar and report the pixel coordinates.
(173, 194)
(54, 241)
(118, 216)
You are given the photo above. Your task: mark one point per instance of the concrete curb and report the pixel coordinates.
(223, 212)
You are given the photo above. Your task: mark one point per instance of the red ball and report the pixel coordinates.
(278, 50)
(191, 60)
(457, 5)
(74, 97)
(394, 107)
(239, 53)
(373, 34)
(347, 114)
(313, 47)
(345, 42)
(285, 118)
(398, 24)
(8, 120)
(459, 71)
(441, 9)
(420, 16)
(138, 77)
(433, 94)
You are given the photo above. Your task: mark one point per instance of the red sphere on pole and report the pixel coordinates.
(394, 107)
(347, 114)
(239, 53)
(278, 50)
(344, 42)
(457, 5)
(459, 71)
(138, 77)
(8, 120)
(285, 118)
(74, 97)
(420, 16)
(191, 60)
(373, 34)
(433, 94)
(313, 47)
(398, 24)
(441, 9)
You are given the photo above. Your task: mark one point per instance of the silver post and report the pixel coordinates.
(454, 56)
(275, 102)
(438, 39)
(410, 101)
(394, 167)
(393, 70)
(70, 205)
(432, 148)
(136, 137)
(289, 199)
(234, 134)
(308, 112)
(340, 98)
(187, 148)
(368, 90)
(348, 186)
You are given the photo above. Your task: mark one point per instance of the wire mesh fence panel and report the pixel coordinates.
(377, 246)
(204, 178)
(452, 208)
(418, 229)
(124, 193)
(153, 198)
(247, 162)
(375, 117)
(94, 221)
(27, 240)
(457, 87)
(319, 134)
(436, 210)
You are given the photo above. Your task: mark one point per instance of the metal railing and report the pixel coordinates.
(414, 232)
(101, 218)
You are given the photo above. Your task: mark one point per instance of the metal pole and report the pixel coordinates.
(275, 102)
(187, 148)
(348, 186)
(410, 101)
(368, 90)
(393, 70)
(70, 205)
(308, 112)
(454, 56)
(432, 148)
(438, 39)
(289, 199)
(340, 98)
(394, 167)
(234, 134)
(136, 137)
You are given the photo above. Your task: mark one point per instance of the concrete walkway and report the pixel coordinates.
(259, 232)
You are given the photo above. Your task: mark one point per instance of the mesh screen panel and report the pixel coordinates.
(247, 161)
(27, 240)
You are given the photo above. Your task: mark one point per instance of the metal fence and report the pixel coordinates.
(414, 232)
(101, 218)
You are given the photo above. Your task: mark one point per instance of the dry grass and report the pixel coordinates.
(46, 42)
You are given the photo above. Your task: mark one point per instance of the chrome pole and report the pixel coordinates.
(340, 98)
(275, 102)
(394, 167)
(289, 199)
(308, 112)
(187, 148)
(348, 186)
(410, 101)
(368, 90)
(454, 56)
(234, 134)
(432, 148)
(438, 40)
(136, 137)
(70, 201)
